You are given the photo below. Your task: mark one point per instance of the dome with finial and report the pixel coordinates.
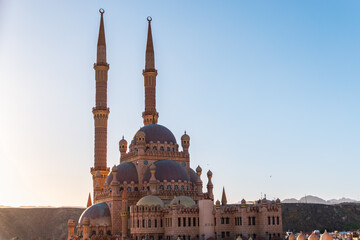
(313, 236)
(114, 168)
(185, 137)
(198, 169)
(155, 133)
(326, 236)
(125, 172)
(150, 200)
(96, 214)
(209, 173)
(243, 201)
(217, 203)
(183, 200)
(301, 236)
(167, 170)
(123, 141)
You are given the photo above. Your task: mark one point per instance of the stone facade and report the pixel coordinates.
(154, 193)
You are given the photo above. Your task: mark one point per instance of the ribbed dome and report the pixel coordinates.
(313, 236)
(301, 236)
(150, 200)
(156, 132)
(183, 200)
(125, 172)
(167, 170)
(326, 236)
(193, 176)
(97, 214)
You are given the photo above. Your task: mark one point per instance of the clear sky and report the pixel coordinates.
(267, 90)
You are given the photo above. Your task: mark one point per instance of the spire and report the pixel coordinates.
(150, 115)
(89, 201)
(223, 198)
(149, 57)
(101, 45)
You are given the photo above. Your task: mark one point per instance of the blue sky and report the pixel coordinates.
(267, 90)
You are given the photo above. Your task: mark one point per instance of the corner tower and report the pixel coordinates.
(101, 112)
(150, 115)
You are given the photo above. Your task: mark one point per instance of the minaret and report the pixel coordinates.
(100, 111)
(150, 115)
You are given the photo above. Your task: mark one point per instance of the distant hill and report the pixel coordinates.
(308, 217)
(39, 223)
(317, 200)
(51, 223)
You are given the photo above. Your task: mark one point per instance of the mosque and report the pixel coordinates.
(154, 193)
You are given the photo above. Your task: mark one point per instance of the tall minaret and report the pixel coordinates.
(150, 115)
(101, 113)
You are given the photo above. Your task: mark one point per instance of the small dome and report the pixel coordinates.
(301, 236)
(154, 133)
(243, 201)
(71, 222)
(114, 168)
(183, 200)
(313, 236)
(193, 176)
(125, 172)
(167, 170)
(326, 236)
(198, 169)
(291, 237)
(140, 134)
(123, 141)
(185, 137)
(96, 214)
(150, 200)
(217, 202)
(209, 173)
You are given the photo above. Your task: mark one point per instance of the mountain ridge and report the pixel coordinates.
(318, 200)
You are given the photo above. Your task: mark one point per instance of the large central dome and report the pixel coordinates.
(156, 132)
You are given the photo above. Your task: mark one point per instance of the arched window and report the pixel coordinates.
(277, 220)
(148, 188)
(173, 149)
(168, 187)
(149, 223)
(182, 187)
(176, 187)
(162, 148)
(162, 187)
(168, 149)
(136, 150)
(136, 189)
(154, 148)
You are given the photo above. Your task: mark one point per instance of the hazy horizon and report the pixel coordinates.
(267, 91)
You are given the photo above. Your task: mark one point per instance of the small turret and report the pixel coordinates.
(122, 147)
(140, 142)
(185, 143)
(217, 206)
(198, 181)
(152, 180)
(71, 228)
(210, 186)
